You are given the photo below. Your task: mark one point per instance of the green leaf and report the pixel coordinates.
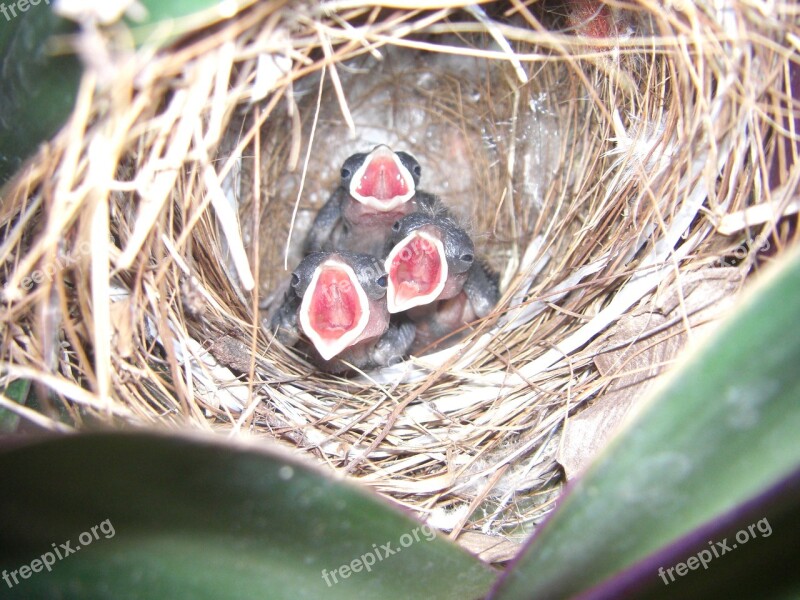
(723, 429)
(192, 517)
(751, 553)
(17, 391)
(38, 87)
(165, 21)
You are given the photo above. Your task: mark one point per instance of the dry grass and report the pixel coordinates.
(604, 171)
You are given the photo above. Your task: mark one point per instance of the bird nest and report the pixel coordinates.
(608, 163)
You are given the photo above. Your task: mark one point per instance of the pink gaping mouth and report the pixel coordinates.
(382, 182)
(417, 270)
(335, 309)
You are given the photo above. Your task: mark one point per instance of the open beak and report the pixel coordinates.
(335, 309)
(382, 182)
(417, 270)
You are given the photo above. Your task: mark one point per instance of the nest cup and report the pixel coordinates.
(605, 161)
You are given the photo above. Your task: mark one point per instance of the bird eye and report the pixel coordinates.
(396, 226)
(467, 258)
(346, 173)
(417, 170)
(295, 279)
(382, 281)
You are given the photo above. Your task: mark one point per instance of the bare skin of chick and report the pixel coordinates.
(445, 321)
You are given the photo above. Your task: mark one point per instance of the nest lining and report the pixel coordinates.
(595, 188)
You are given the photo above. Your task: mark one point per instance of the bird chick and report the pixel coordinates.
(428, 259)
(338, 301)
(375, 190)
(434, 278)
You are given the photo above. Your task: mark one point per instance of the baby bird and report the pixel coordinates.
(434, 277)
(428, 259)
(338, 300)
(376, 189)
